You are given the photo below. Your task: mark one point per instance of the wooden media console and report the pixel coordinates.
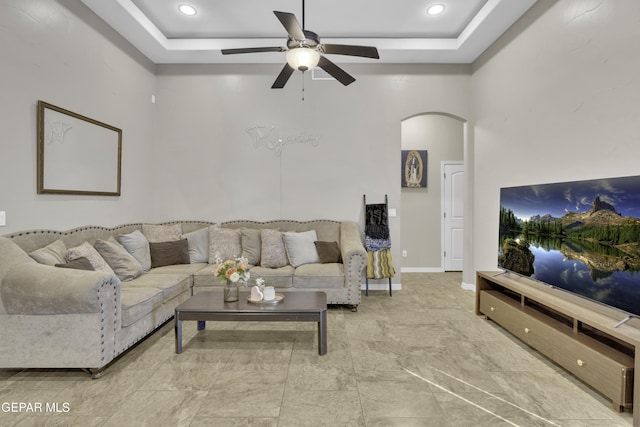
(578, 334)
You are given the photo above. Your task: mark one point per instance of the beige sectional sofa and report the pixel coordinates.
(52, 317)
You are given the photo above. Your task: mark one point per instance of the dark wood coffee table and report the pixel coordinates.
(296, 307)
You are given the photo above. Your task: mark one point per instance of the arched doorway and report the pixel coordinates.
(442, 136)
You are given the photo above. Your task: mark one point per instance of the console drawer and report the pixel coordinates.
(513, 317)
(605, 370)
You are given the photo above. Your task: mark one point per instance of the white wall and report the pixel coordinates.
(61, 53)
(555, 99)
(204, 111)
(442, 137)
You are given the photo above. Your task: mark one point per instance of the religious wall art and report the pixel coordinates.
(414, 168)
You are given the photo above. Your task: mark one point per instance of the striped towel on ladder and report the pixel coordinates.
(379, 264)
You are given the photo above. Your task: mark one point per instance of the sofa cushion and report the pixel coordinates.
(138, 246)
(170, 285)
(328, 252)
(198, 245)
(78, 264)
(325, 276)
(121, 262)
(162, 233)
(52, 254)
(137, 302)
(273, 253)
(179, 268)
(279, 277)
(169, 253)
(251, 245)
(300, 247)
(85, 250)
(224, 244)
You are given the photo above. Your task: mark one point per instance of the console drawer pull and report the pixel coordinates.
(580, 362)
(493, 309)
(527, 330)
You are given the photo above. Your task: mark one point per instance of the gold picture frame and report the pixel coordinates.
(77, 154)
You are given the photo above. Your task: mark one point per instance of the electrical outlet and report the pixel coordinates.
(3, 218)
(404, 254)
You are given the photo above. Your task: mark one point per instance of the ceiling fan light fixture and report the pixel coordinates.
(435, 9)
(187, 9)
(303, 58)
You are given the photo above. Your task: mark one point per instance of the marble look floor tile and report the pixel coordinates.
(245, 394)
(38, 379)
(550, 395)
(313, 377)
(380, 355)
(396, 394)
(407, 422)
(61, 421)
(335, 358)
(480, 410)
(428, 335)
(11, 416)
(234, 422)
(325, 408)
(100, 397)
(158, 408)
(183, 376)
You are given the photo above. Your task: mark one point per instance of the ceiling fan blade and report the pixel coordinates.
(283, 77)
(344, 49)
(338, 73)
(291, 24)
(253, 50)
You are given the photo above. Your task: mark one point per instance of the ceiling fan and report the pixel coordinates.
(304, 51)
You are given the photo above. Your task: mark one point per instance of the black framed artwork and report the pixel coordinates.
(414, 168)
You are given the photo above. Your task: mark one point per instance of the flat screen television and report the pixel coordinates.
(581, 236)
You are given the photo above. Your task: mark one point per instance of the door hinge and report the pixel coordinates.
(445, 254)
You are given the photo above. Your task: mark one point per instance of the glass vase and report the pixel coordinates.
(231, 292)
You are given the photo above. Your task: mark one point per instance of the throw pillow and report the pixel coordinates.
(162, 233)
(87, 251)
(78, 264)
(137, 245)
(300, 247)
(122, 262)
(224, 243)
(273, 253)
(251, 245)
(169, 253)
(329, 252)
(52, 254)
(198, 245)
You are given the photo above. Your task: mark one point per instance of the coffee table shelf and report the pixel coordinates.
(296, 307)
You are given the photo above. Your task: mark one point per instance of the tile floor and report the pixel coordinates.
(419, 358)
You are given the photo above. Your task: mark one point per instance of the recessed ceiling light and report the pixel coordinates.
(435, 9)
(187, 9)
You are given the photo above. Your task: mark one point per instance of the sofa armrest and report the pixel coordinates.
(354, 257)
(32, 288)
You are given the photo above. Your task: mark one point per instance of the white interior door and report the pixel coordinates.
(453, 215)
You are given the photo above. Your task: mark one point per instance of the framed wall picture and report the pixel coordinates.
(76, 154)
(414, 168)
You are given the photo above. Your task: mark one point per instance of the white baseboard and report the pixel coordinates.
(468, 286)
(381, 286)
(422, 270)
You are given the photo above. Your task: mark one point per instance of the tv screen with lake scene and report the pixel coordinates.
(581, 236)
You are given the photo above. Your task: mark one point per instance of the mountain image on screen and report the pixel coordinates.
(582, 236)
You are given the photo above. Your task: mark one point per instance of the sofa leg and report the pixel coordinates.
(354, 308)
(95, 372)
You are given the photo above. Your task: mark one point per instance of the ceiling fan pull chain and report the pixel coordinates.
(303, 85)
